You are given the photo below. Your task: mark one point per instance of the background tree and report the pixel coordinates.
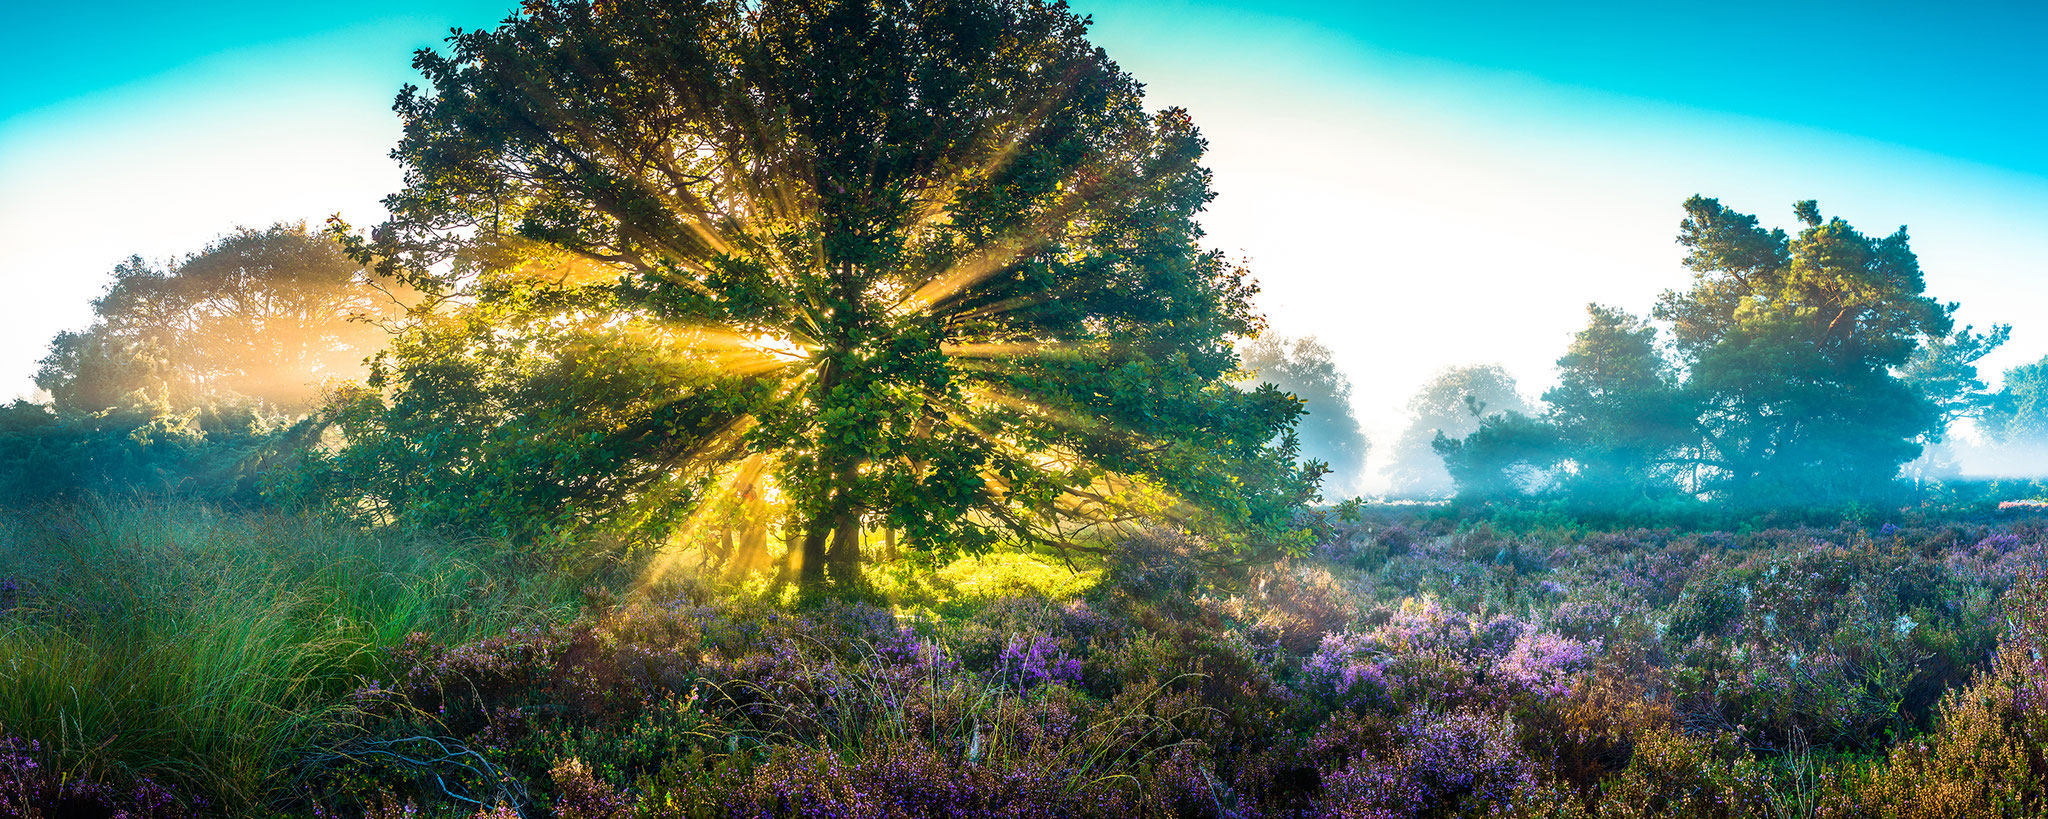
(1329, 432)
(1507, 455)
(1944, 369)
(266, 315)
(1442, 407)
(958, 254)
(1618, 409)
(188, 378)
(87, 372)
(2019, 410)
(1792, 344)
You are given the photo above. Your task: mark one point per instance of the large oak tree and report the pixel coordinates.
(943, 242)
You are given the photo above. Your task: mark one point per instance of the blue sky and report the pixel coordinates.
(1958, 79)
(1418, 184)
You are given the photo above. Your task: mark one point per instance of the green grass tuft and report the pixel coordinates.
(209, 650)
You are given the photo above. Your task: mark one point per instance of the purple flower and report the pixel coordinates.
(1544, 663)
(902, 647)
(1441, 762)
(1028, 661)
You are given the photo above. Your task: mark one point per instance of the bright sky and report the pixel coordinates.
(1417, 184)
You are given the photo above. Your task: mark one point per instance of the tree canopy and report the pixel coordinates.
(2019, 410)
(194, 373)
(1619, 407)
(1791, 344)
(942, 264)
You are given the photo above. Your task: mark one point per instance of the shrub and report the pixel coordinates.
(1989, 754)
(32, 787)
(1681, 776)
(1437, 764)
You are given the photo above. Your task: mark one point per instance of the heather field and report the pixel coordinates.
(1414, 665)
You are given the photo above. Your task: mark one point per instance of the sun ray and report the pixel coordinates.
(739, 481)
(1081, 186)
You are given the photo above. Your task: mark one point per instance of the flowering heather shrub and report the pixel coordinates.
(629, 693)
(1814, 637)
(1590, 733)
(1156, 566)
(1031, 660)
(1455, 764)
(1292, 604)
(1617, 674)
(911, 780)
(1351, 667)
(520, 660)
(579, 796)
(1996, 560)
(1681, 776)
(986, 638)
(32, 788)
(1546, 664)
(1422, 652)
(1397, 538)
(902, 648)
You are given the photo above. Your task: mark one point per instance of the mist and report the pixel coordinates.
(1330, 432)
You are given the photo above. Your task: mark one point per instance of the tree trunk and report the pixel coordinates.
(725, 553)
(752, 552)
(811, 561)
(792, 556)
(832, 542)
(844, 559)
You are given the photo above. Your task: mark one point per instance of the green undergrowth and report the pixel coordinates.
(183, 661)
(963, 586)
(205, 650)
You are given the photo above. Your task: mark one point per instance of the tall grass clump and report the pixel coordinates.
(206, 650)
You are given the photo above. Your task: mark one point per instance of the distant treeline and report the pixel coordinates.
(1797, 370)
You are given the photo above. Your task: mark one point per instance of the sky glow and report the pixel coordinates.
(1418, 185)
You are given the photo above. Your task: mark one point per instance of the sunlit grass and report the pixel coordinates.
(1010, 573)
(971, 581)
(208, 650)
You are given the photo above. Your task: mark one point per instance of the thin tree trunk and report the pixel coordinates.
(726, 553)
(792, 558)
(811, 560)
(752, 553)
(844, 559)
